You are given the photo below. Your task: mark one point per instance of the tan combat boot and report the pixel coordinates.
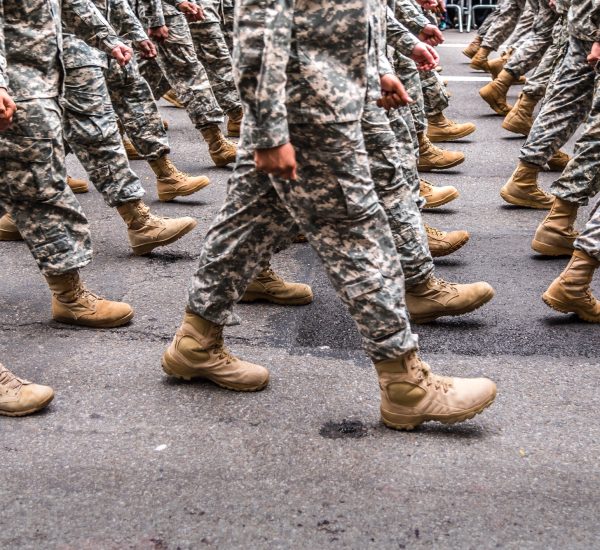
(479, 62)
(221, 150)
(234, 122)
(172, 98)
(522, 188)
(434, 158)
(271, 287)
(558, 161)
(198, 351)
(435, 298)
(147, 231)
(20, 397)
(555, 235)
(411, 394)
(520, 118)
(74, 304)
(77, 185)
(473, 47)
(570, 291)
(440, 128)
(494, 93)
(172, 183)
(496, 66)
(436, 196)
(8, 229)
(443, 243)
(132, 152)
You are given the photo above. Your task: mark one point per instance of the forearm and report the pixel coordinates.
(409, 15)
(398, 36)
(88, 24)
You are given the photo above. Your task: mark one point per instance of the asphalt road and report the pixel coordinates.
(125, 458)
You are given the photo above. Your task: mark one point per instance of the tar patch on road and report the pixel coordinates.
(353, 429)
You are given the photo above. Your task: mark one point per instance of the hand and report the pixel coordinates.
(425, 57)
(428, 4)
(393, 93)
(147, 49)
(431, 35)
(122, 54)
(192, 11)
(594, 56)
(7, 109)
(277, 161)
(159, 34)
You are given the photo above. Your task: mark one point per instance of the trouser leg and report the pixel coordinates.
(33, 189)
(91, 129)
(409, 75)
(508, 15)
(435, 97)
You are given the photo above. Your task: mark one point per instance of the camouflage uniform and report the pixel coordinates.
(177, 66)
(315, 107)
(530, 52)
(90, 124)
(524, 26)
(227, 15)
(32, 171)
(508, 14)
(569, 98)
(215, 56)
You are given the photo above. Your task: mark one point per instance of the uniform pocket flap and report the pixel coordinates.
(365, 286)
(25, 149)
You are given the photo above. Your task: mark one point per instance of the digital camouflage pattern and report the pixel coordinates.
(584, 20)
(530, 52)
(566, 105)
(506, 18)
(227, 15)
(523, 27)
(435, 96)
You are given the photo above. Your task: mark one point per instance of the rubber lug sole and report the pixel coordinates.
(255, 296)
(472, 307)
(114, 324)
(447, 419)
(456, 137)
(430, 168)
(515, 129)
(522, 202)
(166, 197)
(549, 250)
(144, 249)
(561, 307)
(453, 196)
(498, 108)
(28, 411)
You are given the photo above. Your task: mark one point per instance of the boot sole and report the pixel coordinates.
(189, 378)
(523, 202)
(6, 236)
(496, 107)
(472, 307)
(143, 249)
(412, 423)
(456, 247)
(441, 139)
(549, 250)
(166, 197)
(112, 324)
(449, 198)
(255, 296)
(80, 190)
(445, 167)
(561, 307)
(515, 129)
(41, 406)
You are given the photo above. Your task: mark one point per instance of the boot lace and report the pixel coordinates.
(423, 375)
(219, 349)
(174, 171)
(434, 232)
(269, 275)
(427, 187)
(9, 380)
(443, 285)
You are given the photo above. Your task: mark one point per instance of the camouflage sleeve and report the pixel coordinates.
(3, 75)
(398, 36)
(151, 13)
(129, 25)
(411, 16)
(260, 59)
(88, 24)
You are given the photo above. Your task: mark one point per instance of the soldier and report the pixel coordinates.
(570, 292)
(565, 106)
(33, 185)
(525, 57)
(330, 194)
(176, 66)
(226, 11)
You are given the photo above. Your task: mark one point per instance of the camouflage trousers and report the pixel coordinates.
(394, 172)
(409, 75)
(580, 180)
(134, 104)
(92, 133)
(506, 18)
(33, 189)
(177, 66)
(213, 53)
(435, 96)
(537, 83)
(335, 205)
(227, 17)
(566, 105)
(529, 54)
(523, 28)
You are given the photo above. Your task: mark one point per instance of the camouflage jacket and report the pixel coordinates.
(306, 61)
(584, 20)
(398, 36)
(410, 15)
(31, 43)
(125, 24)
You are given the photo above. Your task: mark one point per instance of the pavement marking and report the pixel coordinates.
(465, 78)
